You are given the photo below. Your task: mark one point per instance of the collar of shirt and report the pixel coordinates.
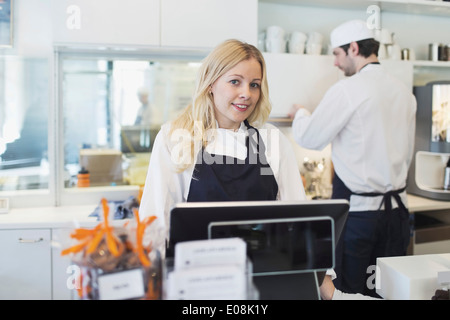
(229, 143)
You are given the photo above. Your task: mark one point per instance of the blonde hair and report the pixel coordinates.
(199, 115)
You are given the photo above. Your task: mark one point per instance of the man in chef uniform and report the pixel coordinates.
(369, 119)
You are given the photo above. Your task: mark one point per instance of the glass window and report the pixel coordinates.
(112, 111)
(24, 105)
(441, 113)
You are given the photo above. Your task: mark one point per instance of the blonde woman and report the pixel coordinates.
(220, 148)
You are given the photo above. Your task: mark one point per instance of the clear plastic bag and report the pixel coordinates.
(117, 262)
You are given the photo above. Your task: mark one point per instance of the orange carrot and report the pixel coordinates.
(95, 241)
(81, 233)
(110, 241)
(76, 248)
(140, 229)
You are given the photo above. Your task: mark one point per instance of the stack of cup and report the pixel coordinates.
(275, 39)
(384, 36)
(297, 42)
(314, 43)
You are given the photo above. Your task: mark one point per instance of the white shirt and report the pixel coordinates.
(164, 187)
(369, 118)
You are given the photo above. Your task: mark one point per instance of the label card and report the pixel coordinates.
(232, 251)
(127, 284)
(207, 283)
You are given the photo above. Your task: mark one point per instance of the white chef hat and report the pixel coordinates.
(350, 31)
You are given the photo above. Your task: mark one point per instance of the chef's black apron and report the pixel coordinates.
(366, 236)
(231, 179)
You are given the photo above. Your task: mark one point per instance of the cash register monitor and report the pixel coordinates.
(278, 256)
(190, 220)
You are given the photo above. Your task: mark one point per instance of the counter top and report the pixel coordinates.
(48, 217)
(70, 216)
(418, 204)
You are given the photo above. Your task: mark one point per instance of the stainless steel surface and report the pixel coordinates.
(405, 54)
(447, 178)
(442, 52)
(433, 51)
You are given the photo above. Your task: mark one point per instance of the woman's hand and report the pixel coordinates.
(327, 288)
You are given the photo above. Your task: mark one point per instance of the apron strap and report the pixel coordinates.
(387, 201)
(341, 190)
(260, 147)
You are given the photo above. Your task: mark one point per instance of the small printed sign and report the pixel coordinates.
(199, 253)
(123, 285)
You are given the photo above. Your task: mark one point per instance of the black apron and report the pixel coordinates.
(341, 191)
(231, 179)
(368, 235)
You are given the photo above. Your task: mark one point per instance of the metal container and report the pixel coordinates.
(433, 51)
(442, 52)
(447, 178)
(405, 54)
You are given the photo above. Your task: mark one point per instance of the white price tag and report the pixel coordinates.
(123, 285)
(207, 283)
(189, 254)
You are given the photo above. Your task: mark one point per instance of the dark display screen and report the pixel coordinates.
(300, 244)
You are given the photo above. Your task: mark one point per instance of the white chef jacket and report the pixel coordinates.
(369, 118)
(164, 187)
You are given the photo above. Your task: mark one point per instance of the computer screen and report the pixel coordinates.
(190, 220)
(283, 245)
(279, 274)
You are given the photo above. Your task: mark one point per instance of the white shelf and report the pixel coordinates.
(415, 63)
(421, 7)
(425, 7)
(337, 4)
(437, 64)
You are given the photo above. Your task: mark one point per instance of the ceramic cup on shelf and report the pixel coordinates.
(275, 45)
(313, 48)
(275, 39)
(382, 52)
(314, 43)
(297, 42)
(315, 37)
(385, 36)
(275, 32)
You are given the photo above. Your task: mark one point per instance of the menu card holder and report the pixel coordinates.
(290, 255)
(209, 270)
